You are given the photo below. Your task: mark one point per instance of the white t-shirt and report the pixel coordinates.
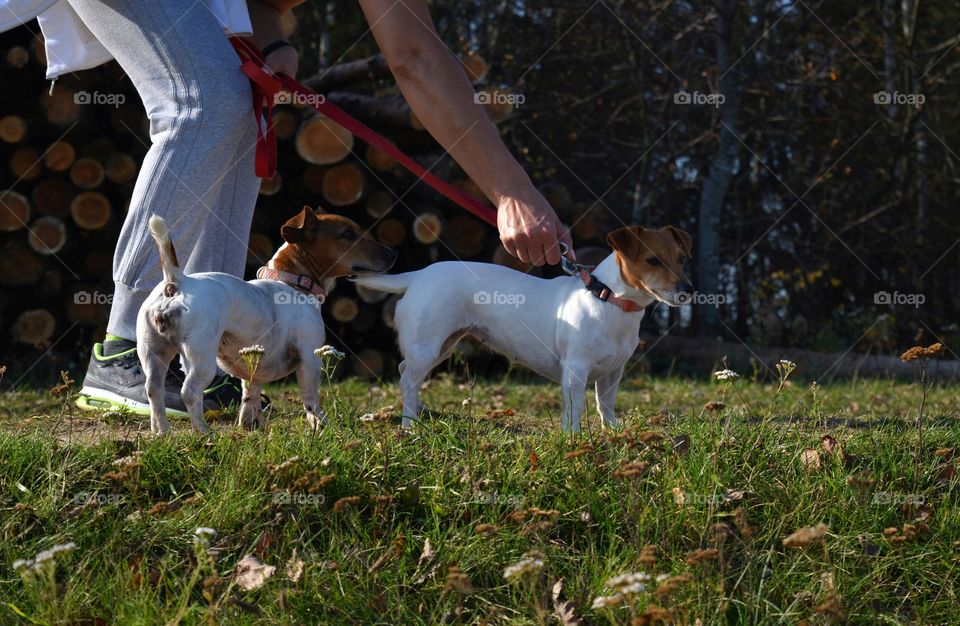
(72, 47)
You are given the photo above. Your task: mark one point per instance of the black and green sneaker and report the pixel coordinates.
(115, 379)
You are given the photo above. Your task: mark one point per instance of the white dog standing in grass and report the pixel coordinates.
(557, 328)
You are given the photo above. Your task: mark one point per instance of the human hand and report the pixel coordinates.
(530, 229)
(283, 60)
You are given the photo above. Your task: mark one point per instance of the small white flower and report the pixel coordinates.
(466, 402)
(63, 547)
(788, 364)
(21, 565)
(523, 567)
(368, 417)
(256, 350)
(602, 602)
(726, 375)
(626, 580)
(328, 351)
(662, 577)
(203, 535)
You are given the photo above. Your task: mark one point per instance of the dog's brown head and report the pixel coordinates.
(652, 260)
(328, 246)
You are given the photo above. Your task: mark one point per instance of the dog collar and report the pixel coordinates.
(603, 293)
(294, 280)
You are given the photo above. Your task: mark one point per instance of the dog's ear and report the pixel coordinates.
(300, 228)
(627, 241)
(683, 239)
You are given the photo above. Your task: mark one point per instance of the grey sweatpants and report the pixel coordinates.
(198, 173)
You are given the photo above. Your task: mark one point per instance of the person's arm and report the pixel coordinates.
(266, 16)
(435, 85)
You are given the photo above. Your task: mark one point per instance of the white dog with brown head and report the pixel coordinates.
(208, 317)
(573, 330)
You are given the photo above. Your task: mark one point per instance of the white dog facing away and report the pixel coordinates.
(208, 317)
(558, 328)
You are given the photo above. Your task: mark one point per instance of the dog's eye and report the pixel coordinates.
(654, 261)
(349, 235)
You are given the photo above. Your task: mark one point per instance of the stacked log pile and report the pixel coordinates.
(70, 157)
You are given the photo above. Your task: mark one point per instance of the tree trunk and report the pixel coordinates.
(721, 173)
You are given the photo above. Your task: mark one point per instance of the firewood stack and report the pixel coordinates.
(70, 157)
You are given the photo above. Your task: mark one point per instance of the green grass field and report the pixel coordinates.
(364, 525)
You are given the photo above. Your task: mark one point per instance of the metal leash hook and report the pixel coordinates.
(568, 266)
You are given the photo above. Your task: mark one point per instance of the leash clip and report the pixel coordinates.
(566, 264)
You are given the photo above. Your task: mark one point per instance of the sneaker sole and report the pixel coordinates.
(93, 399)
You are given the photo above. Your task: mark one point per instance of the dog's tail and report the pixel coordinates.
(168, 255)
(396, 283)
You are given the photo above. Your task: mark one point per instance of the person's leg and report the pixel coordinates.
(197, 174)
(203, 133)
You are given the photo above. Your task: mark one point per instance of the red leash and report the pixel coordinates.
(265, 88)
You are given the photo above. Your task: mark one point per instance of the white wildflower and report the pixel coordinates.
(328, 351)
(726, 375)
(368, 417)
(256, 350)
(203, 536)
(601, 602)
(526, 565)
(626, 580)
(22, 565)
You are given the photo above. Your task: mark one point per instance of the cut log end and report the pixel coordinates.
(322, 141)
(121, 168)
(12, 129)
(26, 163)
(87, 173)
(379, 160)
(18, 57)
(59, 157)
(19, 265)
(466, 236)
(14, 211)
(344, 309)
(391, 232)
(53, 197)
(90, 210)
(34, 327)
(47, 235)
(343, 184)
(427, 228)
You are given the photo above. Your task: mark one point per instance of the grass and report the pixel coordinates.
(367, 526)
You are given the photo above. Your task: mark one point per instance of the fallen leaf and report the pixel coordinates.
(805, 536)
(294, 568)
(565, 610)
(251, 573)
(810, 459)
(733, 495)
(534, 460)
(681, 443)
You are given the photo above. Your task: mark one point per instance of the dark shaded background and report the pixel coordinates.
(809, 193)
